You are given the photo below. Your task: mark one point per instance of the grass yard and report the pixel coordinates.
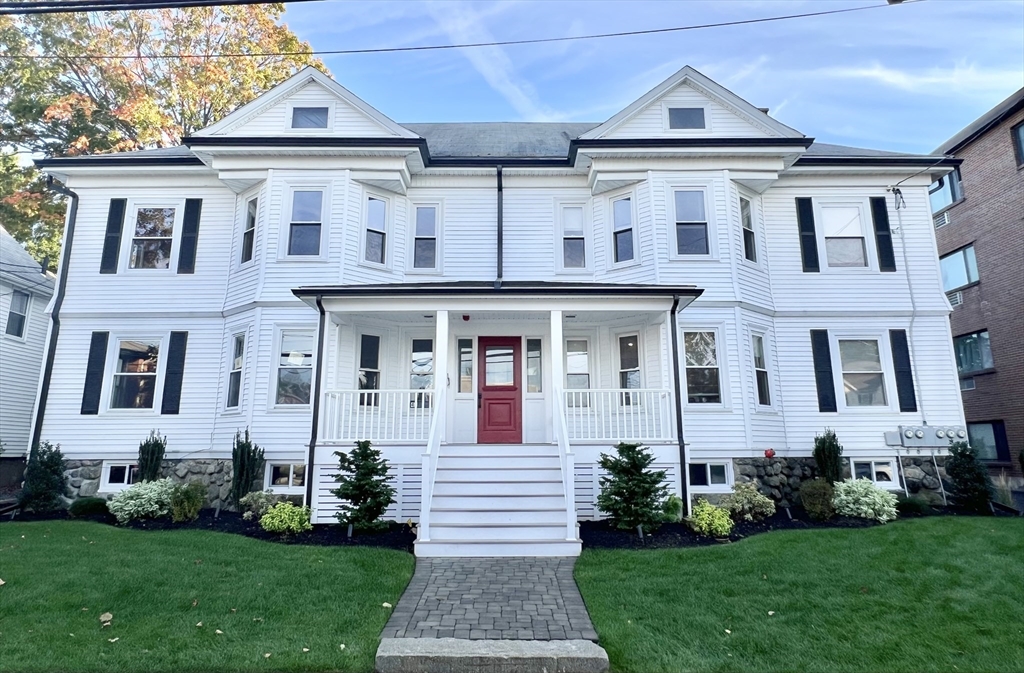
(60, 576)
(931, 594)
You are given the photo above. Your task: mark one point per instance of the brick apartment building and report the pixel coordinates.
(979, 220)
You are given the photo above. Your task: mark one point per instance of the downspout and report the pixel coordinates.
(501, 230)
(58, 301)
(315, 424)
(679, 402)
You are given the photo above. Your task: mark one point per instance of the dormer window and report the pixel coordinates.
(680, 118)
(309, 117)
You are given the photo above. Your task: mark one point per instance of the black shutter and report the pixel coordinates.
(883, 235)
(112, 240)
(189, 236)
(904, 372)
(94, 373)
(808, 240)
(174, 373)
(823, 370)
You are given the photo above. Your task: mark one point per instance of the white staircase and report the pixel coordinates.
(498, 500)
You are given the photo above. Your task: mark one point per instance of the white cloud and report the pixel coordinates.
(960, 80)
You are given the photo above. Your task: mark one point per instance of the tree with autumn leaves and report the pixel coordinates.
(64, 104)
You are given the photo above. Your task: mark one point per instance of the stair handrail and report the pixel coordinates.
(568, 463)
(429, 465)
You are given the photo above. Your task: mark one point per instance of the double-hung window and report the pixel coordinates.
(629, 368)
(764, 395)
(577, 371)
(235, 374)
(622, 229)
(17, 316)
(749, 238)
(304, 232)
(843, 229)
(973, 352)
(369, 369)
(249, 233)
(295, 367)
(863, 378)
(691, 223)
(424, 253)
(959, 269)
(945, 191)
(153, 238)
(376, 230)
(880, 472)
(703, 384)
(421, 371)
(134, 384)
(574, 242)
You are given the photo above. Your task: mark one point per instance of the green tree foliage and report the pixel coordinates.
(970, 485)
(828, 455)
(44, 478)
(67, 105)
(632, 494)
(363, 487)
(246, 467)
(151, 456)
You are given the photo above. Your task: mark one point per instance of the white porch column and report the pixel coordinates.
(558, 422)
(441, 348)
(437, 424)
(557, 356)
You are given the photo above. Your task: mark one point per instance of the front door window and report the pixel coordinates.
(499, 398)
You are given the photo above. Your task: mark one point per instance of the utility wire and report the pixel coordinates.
(82, 6)
(468, 45)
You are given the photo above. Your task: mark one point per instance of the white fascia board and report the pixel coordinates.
(426, 303)
(133, 176)
(605, 181)
(392, 181)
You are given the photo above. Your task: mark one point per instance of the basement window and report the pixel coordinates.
(881, 473)
(118, 476)
(709, 476)
(285, 477)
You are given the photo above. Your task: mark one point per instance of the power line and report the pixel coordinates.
(82, 6)
(505, 43)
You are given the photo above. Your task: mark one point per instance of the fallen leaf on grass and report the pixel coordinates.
(72, 635)
(234, 609)
(199, 561)
(85, 609)
(195, 602)
(219, 632)
(305, 649)
(863, 590)
(267, 655)
(113, 640)
(199, 624)
(106, 617)
(342, 646)
(728, 631)
(771, 612)
(386, 605)
(2, 583)
(257, 619)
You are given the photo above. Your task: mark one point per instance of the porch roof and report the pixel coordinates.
(490, 289)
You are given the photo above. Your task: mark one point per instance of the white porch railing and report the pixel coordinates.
(618, 415)
(377, 415)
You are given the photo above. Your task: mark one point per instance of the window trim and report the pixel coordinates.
(867, 229)
(286, 220)
(128, 234)
(959, 192)
(708, 122)
(723, 388)
(762, 334)
(637, 332)
(364, 227)
(290, 107)
(893, 485)
(408, 337)
(730, 477)
(1017, 138)
(279, 330)
(232, 340)
(610, 201)
(246, 200)
(411, 268)
(379, 334)
(289, 489)
(973, 372)
(593, 369)
(527, 393)
(458, 392)
(888, 374)
(588, 238)
(1002, 441)
(754, 229)
(23, 337)
(962, 250)
(105, 485)
(712, 228)
(107, 390)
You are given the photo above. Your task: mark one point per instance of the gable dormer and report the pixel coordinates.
(309, 104)
(689, 105)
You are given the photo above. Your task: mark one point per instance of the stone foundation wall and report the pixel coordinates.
(922, 479)
(83, 478)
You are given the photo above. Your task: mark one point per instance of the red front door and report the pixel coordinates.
(499, 396)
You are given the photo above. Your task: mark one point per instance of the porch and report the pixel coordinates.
(481, 406)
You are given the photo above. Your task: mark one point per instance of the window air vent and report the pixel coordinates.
(967, 384)
(941, 220)
(955, 298)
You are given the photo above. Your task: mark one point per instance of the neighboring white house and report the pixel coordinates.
(495, 304)
(24, 293)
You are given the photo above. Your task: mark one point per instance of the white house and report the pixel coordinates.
(495, 304)
(24, 293)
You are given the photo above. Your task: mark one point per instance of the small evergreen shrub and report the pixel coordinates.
(286, 518)
(709, 520)
(745, 503)
(363, 487)
(246, 467)
(861, 498)
(44, 478)
(144, 500)
(970, 484)
(632, 494)
(673, 509)
(88, 507)
(915, 505)
(828, 455)
(256, 504)
(816, 496)
(151, 456)
(186, 501)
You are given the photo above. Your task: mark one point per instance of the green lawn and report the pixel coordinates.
(264, 597)
(934, 594)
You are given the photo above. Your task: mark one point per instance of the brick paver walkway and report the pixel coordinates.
(492, 598)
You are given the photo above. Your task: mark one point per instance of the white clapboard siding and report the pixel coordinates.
(21, 360)
(587, 485)
(405, 478)
(723, 122)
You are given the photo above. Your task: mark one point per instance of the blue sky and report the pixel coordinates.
(902, 78)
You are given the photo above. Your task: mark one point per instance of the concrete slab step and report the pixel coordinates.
(451, 655)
